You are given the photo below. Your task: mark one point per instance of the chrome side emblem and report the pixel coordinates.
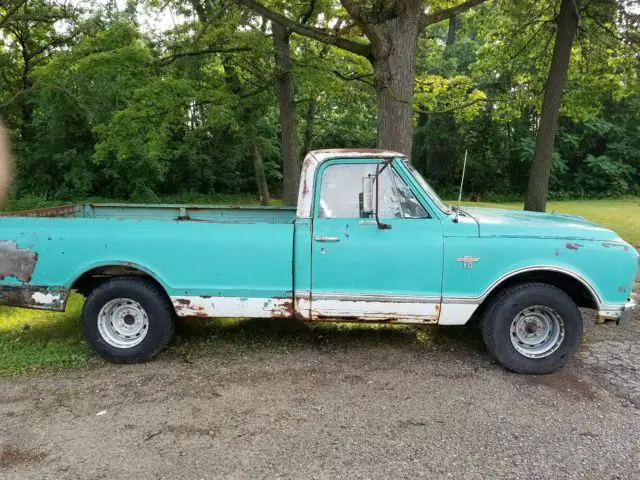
(467, 262)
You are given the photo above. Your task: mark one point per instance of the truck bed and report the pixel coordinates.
(177, 212)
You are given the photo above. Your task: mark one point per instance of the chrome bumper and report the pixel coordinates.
(625, 319)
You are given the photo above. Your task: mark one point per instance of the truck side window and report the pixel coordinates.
(341, 186)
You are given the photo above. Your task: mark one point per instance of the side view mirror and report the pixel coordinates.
(366, 197)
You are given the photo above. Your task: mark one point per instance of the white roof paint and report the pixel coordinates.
(322, 155)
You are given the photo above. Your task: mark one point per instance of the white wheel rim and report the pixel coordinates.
(123, 323)
(537, 331)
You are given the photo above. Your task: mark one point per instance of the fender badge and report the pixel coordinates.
(467, 262)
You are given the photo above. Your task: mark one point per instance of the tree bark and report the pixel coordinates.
(312, 109)
(394, 45)
(451, 32)
(567, 25)
(288, 129)
(261, 178)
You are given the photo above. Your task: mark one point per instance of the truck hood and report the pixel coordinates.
(494, 222)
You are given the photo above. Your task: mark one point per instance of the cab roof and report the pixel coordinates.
(326, 154)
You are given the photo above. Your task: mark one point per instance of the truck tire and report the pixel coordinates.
(127, 320)
(532, 328)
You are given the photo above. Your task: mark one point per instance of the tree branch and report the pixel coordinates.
(307, 15)
(11, 12)
(362, 49)
(435, 17)
(623, 39)
(171, 58)
(456, 107)
(15, 98)
(356, 77)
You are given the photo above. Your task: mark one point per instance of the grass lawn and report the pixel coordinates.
(35, 341)
(622, 215)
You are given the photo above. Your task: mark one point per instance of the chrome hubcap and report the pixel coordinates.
(123, 323)
(537, 331)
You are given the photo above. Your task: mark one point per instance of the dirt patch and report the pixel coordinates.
(566, 383)
(11, 456)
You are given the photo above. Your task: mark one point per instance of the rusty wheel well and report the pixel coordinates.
(88, 281)
(573, 287)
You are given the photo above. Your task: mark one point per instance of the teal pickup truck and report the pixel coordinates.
(370, 241)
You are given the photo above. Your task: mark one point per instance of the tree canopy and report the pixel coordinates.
(226, 96)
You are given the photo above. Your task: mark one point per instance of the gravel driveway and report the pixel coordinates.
(443, 410)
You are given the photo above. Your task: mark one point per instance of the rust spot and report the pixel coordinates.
(61, 211)
(573, 246)
(38, 297)
(386, 320)
(16, 262)
(185, 309)
(282, 310)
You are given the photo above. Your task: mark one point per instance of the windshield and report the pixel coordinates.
(427, 188)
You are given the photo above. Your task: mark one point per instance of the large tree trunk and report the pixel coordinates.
(261, 178)
(284, 93)
(567, 25)
(394, 53)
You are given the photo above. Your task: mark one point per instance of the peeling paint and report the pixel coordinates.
(573, 246)
(16, 262)
(38, 297)
(374, 311)
(243, 307)
(615, 244)
(45, 298)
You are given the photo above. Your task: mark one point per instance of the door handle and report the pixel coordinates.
(327, 239)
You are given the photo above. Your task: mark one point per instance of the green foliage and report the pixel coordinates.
(105, 107)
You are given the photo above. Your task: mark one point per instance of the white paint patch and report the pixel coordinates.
(45, 298)
(303, 308)
(242, 307)
(397, 312)
(456, 313)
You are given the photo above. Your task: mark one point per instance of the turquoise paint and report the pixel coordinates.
(265, 252)
(187, 258)
(368, 260)
(302, 257)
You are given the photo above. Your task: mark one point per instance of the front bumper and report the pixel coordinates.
(620, 313)
(627, 313)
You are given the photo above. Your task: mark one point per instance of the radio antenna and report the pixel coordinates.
(464, 168)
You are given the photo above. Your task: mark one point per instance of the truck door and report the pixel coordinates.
(364, 273)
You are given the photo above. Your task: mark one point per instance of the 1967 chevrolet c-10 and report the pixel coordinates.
(370, 241)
